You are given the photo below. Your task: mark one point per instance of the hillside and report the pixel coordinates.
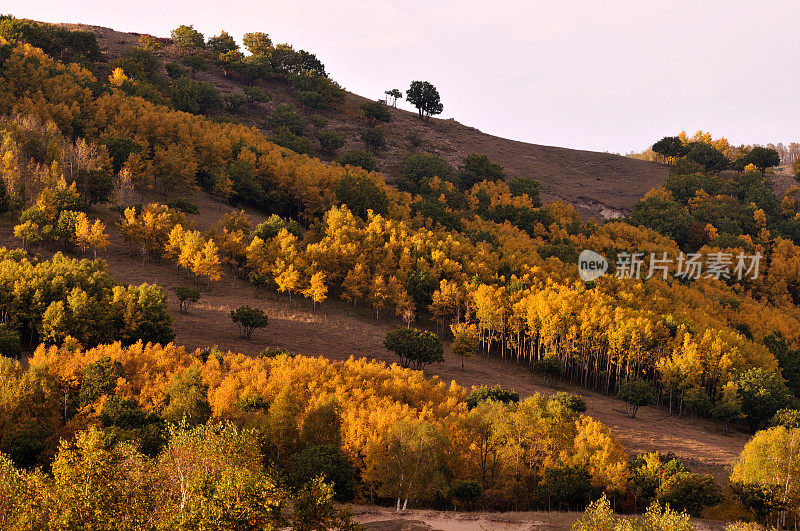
(182, 290)
(601, 185)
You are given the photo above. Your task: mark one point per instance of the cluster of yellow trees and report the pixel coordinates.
(491, 273)
(409, 436)
(49, 221)
(158, 232)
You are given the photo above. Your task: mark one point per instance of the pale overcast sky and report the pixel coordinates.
(608, 75)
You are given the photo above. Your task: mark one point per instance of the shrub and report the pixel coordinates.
(318, 121)
(374, 138)
(285, 138)
(788, 418)
(572, 402)
(186, 297)
(690, 492)
(174, 70)
(415, 348)
(274, 352)
(361, 194)
(257, 94)
(287, 117)
(414, 139)
(483, 393)
(635, 393)
(550, 367)
(196, 97)
(10, 344)
(195, 62)
(248, 319)
(314, 509)
(182, 204)
(329, 461)
(359, 157)
(465, 493)
(376, 112)
(330, 141)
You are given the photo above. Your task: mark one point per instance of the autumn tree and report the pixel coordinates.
(465, 340)
(257, 43)
(317, 291)
(407, 463)
(770, 465)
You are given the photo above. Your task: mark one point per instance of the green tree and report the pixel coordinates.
(359, 157)
(249, 319)
(222, 43)
(196, 97)
(496, 393)
(670, 147)
(330, 141)
(314, 509)
(186, 297)
(416, 348)
(707, 156)
(690, 492)
(761, 157)
(425, 97)
(526, 186)
(187, 398)
(99, 378)
(477, 167)
(762, 394)
(665, 217)
(376, 112)
(187, 38)
(393, 95)
(635, 393)
(374, 137)
(10, 344)
(572, 402)
(418, 168)
(360, 193)
(285, 115)
(329, 461)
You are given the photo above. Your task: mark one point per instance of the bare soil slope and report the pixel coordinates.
(602, 185)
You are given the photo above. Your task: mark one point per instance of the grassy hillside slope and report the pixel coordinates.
(602, 185)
